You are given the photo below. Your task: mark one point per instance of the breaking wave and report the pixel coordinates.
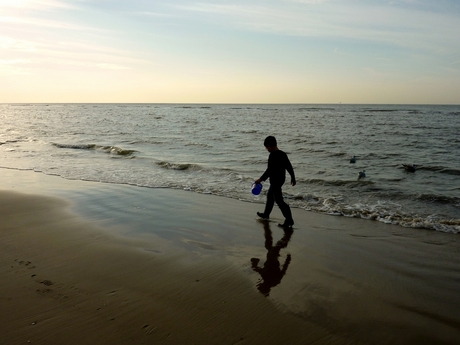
(179, 166)
(107, 149)
(381, 211)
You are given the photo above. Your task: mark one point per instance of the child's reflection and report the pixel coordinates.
(272, 272)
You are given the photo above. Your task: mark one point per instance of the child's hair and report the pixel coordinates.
(270, 141)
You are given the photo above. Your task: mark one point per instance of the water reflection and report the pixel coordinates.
(272, 272)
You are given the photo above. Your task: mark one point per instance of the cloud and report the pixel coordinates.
(35, 4)
(411, 25)
(44, 53)
(70, 43)
(310, 2)
(155, 14)
(34, 13)
(14, 67)
(36, 22)
(111, 66)
(16, 45)
(14, 62)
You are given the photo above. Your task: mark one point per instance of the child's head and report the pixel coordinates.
(270, 142)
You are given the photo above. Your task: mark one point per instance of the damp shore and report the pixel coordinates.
(86, 262)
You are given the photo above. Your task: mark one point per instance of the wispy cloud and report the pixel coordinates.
(61, 42)
(111, 66)
(156, 14)
(23, 56)
(14, 62)
(36, 4)
(310, 2)
(20, 14)
(53, 24)
(17, 45)
(14, 67)
(384, 23)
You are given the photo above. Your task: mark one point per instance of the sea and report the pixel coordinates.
(218, 149)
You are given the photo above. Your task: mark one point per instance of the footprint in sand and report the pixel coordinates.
(27, 264)
(44, 291)
(149, 329)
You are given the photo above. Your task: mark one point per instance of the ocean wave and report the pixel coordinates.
(117, 150)
(385, 212)
(198, 144)
(149, 142)
(179, 166)
(440, 169)
(450, 171)
(338, 154)
(75, 146)
(351, 183)
(441, 199)
(195, 106)
(380, 110)
(299, 141)
(107, 149)
(314, 109)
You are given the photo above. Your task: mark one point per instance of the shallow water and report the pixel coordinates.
(218, 149)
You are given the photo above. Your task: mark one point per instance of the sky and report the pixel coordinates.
(230, 51)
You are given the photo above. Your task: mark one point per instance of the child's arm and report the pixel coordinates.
(290, 170)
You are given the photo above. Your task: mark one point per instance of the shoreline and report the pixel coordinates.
(92, 263)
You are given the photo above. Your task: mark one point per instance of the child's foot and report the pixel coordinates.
(287, 224)
(262, 215)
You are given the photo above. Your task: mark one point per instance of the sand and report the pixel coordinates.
(92, 263)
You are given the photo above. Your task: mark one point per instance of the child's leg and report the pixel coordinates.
(285, 209)
(270, 202)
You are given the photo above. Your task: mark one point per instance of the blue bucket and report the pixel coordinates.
(256, 188)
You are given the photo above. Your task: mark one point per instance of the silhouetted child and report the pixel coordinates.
(278, 163)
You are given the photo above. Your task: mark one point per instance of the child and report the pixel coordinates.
(278, 163)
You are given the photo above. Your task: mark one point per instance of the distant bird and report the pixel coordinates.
(353, 159)
(361, 174)
(410, 167)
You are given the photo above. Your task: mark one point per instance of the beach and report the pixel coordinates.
(86, 262)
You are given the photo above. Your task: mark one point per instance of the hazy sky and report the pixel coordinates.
(230, 51)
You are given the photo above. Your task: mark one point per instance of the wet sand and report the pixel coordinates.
(91, 263)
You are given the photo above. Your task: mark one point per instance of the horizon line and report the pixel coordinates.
(229, 103)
